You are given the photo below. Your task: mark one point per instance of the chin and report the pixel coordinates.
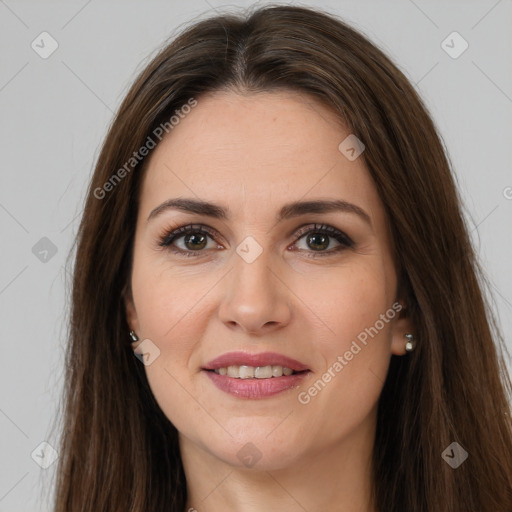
(256, 446)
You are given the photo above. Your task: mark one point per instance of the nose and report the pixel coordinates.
(256, 300)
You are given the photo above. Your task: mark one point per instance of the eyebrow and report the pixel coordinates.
(288, 211)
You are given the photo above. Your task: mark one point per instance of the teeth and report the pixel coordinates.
(234, 371)
(246, 372)
(254, 372)
(263, 372)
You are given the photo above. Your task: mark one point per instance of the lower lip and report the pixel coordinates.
(256, 388)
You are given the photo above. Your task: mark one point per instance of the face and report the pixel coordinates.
(313, 284)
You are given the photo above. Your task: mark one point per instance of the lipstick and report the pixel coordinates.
(255, 376)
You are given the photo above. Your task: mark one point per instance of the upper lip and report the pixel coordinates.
(261, 359)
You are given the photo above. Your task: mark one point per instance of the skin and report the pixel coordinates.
(253, 153)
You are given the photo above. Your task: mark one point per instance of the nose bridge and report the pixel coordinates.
(253, 269)
(255, 298)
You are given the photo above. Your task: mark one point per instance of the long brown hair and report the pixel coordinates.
(119, 452)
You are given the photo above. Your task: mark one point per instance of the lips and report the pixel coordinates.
(255, 360)
(261, 384)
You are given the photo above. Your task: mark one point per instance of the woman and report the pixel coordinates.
(274, 231)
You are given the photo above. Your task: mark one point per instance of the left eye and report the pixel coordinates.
(195, 239)
(318, 238)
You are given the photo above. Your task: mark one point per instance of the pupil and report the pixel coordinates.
(194, 239)
(323, 245)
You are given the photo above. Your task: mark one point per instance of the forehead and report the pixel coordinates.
(239, 150)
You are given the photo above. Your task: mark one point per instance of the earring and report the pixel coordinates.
(411, 343)
(133, 336)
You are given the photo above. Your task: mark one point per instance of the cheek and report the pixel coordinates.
(169, 315)
(173, 306)
(346, 299)
(168, 298)
(356, 320)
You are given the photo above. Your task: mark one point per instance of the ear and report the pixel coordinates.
(131, 313)
(402, 325)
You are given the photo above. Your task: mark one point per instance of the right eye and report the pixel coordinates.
(195, 240)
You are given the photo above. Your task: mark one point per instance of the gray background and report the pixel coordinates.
(55, 113)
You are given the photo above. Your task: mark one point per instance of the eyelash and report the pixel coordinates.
(168, 238)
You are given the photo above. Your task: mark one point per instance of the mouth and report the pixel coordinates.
(254, 376)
